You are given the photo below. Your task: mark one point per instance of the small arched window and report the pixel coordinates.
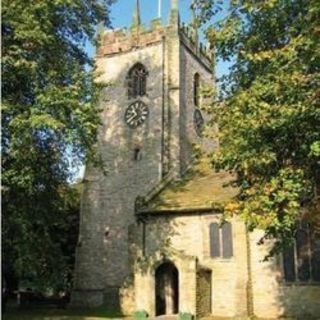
(196, 89)
(137, 81)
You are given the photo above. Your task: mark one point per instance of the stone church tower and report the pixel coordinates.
(151, 231)
(150, 121)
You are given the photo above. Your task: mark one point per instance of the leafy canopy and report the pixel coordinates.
(49, 125)
(269, 117)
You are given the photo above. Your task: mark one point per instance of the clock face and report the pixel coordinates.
(198, 122)
(136, 114)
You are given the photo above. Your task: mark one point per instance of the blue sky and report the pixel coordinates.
(122, 11)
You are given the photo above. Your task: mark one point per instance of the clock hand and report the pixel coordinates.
(135, 112)
(131, 118)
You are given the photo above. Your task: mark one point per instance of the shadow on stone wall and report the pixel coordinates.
(104, 264)
(274, 297)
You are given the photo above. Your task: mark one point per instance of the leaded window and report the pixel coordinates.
(301, 260)
(137, 81)
(214, 240)
(221, 244)
(227, 247)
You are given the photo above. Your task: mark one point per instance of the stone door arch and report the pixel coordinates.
(167, 289)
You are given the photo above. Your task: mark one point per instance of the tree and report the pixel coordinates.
(49, 125)
(269, 110)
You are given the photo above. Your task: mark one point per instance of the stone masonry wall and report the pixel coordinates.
(184, 237)
(272, 297)
(108, 202)
(189, 65)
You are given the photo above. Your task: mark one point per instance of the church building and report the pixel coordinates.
(151, 231)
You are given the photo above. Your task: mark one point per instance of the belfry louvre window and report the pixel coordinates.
(137, 81)
(221, 240)
(301, 261)
(196, 89)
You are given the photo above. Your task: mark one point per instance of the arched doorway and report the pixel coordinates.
(167, 289)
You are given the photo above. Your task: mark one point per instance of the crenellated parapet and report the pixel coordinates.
(118, 41)
(189, 37)
(124, 40)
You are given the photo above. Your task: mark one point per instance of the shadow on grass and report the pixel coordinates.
(52, 313)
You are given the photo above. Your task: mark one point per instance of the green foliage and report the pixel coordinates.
(39, 312)
(269, 118)
(49, 124)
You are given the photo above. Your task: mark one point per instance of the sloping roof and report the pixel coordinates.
(200, 188)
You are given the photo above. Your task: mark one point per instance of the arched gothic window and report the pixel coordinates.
(196, 89)
(137, 81)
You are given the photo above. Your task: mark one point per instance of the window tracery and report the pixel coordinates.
(137, 81)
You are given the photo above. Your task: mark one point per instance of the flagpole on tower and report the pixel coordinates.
(159, 8)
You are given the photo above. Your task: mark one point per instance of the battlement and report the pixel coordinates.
(124, 40)
(190, 39)
(117, 41)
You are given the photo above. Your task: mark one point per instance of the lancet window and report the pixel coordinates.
(196, 89)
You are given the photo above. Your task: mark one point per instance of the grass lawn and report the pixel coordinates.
(47, 313)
